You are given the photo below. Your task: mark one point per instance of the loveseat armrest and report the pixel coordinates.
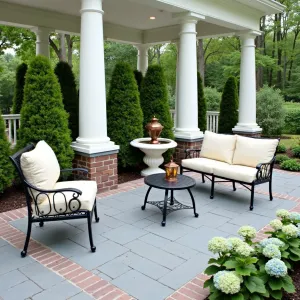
(192, 153)
(74, 174)
(264, 171)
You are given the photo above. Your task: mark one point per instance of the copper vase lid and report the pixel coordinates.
(154, 128)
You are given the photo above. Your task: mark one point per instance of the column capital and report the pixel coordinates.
(188, 17)
(142, 47)
(39, 30)
(249, 34)
(91, 6)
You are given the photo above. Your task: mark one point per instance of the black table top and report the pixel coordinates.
(158, 181)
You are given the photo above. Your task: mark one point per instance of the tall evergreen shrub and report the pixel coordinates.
(229, 106)
(6, 168)
(43, 116)
(124, 114)
(202, 107)
(66, 79)
(154, 102)
(19, 88)
(139, 78)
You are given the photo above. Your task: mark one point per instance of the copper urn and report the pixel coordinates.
(154, 128)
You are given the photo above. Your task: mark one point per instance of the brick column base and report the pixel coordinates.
(103, 168)
(183, 145)
(248, 134)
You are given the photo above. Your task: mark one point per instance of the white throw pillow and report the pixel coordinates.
(40, 168)
(251, 152)
(218, 146)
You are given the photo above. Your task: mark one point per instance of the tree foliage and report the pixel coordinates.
(43, 116)
(70, 97)
(124, 114)
(270, 110)
(201, 105)
(19, 88)
(6, 168)
(154, 102)
(229, 107)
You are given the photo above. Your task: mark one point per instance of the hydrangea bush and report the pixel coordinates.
(245, 269)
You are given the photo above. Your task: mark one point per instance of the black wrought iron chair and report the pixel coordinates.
(69, 206)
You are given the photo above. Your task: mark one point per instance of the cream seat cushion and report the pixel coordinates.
(218, 146)
(40, 168)
(204, 165)
(250, 152)
(87, 198)
(235, 172)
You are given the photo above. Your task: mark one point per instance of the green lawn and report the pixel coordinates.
(291, 106)
(294, 141)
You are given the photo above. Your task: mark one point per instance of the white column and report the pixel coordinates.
(177, 75)
(187, 90)
(92, 98)
(142, 61)
(247, 100)
(42, 40)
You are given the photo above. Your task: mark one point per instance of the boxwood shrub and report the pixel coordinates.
(296, 151)
(291, 165)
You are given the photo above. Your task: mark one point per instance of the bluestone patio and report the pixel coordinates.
(136, 257)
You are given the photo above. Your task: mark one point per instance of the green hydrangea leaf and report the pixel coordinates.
(276, 294)
(275, 283)
(238, 296)
(231, 264)
(211, 270)
(246, 270)
(208, 282)
(288, 284)
(255, 284)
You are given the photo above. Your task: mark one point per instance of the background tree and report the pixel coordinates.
(70, 97)
(138, 78)
(201, 105)
(124, 114)
(229, 106)
(6, 168)
(154, 102)
(43, 116)
(19, 88)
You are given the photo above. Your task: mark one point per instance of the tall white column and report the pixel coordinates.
(142, 61)
(247, 100)
(42, 40)
(187, 90)
(92, 98)
(177, 87)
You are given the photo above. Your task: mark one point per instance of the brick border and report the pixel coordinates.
(92, 284)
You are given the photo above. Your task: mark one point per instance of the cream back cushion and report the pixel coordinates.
(40, 168)
(218, 146)
(250, 152)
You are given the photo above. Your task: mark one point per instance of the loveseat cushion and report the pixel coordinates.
(87, 198)
(236, 172)
(204, 165)
(250, 152)
(40, 168)
(218, 147)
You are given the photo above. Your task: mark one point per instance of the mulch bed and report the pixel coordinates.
(12, 198)
(296, 279)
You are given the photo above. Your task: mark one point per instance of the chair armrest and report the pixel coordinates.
(74, 174)
(264, 170)
(73, 205)
(192, 153)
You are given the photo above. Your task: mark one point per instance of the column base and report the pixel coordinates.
(102, 166)
(251, 130)
(184, 144)
(188, 135)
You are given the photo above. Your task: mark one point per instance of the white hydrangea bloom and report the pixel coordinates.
(272, 251)
(244, 250)
(219, 245)
(282, 213)
(247, 232)
(290, 230)
(276, 224)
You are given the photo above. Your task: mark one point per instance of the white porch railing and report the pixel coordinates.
(12, 123)
(212, 120)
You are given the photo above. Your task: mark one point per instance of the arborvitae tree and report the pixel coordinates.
(66, 79)
(6, 167)
(43, 116)
(139, 78)
(19, 88)
(201, 105)
(154, 102)
(229, 106)
(124, 114)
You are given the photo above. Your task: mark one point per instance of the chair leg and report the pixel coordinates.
(96, 213)
(181, 170)
(270, 189)
(41, 224)
(252, 197)
(203, 180)
(93, 248)
(233, 185)
(24, 252)
(212, 192)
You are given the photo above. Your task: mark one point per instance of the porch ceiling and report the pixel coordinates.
(129, 20)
